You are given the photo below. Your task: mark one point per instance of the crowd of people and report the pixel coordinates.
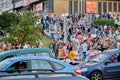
(8, 46)
(74, 38)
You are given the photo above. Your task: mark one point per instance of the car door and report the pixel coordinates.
(41, 65)
(112, 70)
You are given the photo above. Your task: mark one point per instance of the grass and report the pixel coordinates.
(46, 41)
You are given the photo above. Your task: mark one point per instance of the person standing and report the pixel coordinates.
(52, 33)
(84, 47)
(62, 53)
(80, 50)
(56, 48)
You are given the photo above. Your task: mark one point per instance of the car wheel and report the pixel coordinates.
(96, 76)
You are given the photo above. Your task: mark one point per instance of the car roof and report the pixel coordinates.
(25, 50)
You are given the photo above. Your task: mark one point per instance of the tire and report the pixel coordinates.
(96, 75)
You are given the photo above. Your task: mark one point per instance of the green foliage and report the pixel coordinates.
(103, 21)
(8, 19)
(26, 30)
(46, 41)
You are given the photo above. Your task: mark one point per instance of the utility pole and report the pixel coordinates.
(81, 10)
(13, 2)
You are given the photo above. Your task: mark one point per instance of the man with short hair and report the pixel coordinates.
(22, 66)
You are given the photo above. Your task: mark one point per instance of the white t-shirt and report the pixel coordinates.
(84, 45)
(105, 27)
(118, 37)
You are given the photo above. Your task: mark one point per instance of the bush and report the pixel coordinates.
(103, 21)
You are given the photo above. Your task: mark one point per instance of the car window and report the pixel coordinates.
(44, 54)
(4, 63)
(20, 65)
(10, 56)
(58, 66)
(100, 58)
(40, 64)
(115, 58)
(27, 54)
(118, 58)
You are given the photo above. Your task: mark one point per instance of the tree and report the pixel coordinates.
(8, 19)
(103, 21)
(26, 31)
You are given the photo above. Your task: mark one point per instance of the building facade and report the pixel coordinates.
(81, 6)
(5, 5)
(20, 5)
(63, 6)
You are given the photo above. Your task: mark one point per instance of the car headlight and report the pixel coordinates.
(84, 69)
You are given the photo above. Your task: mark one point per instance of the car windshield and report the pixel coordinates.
(100, 58)
(4, 63)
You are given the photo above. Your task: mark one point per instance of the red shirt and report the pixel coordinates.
(63, 54)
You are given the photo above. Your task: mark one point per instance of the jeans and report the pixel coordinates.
(52, 35)
(84, 55)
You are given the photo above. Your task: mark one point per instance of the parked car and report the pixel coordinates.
(46, 52)
(12, 65)
(104, 66)
(43, 76)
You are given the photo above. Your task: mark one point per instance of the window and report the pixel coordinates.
(115, 58)
(58, 66)
(75, 6)
(48, 6)
(44, 54)
(119, 7)
(4, 63)
(70, 7)
(40, 64)
(10, 56)
(115, 7)
(104, 7)
(83, 6)
(118, 58)
(110, 6)
(20, 65)
(99, 7)
(100, 58)
(15, 1)
(28, 54)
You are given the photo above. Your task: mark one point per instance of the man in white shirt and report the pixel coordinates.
(105, 27)
(84, 47)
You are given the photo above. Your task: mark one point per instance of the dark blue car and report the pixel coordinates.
(105, 65)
